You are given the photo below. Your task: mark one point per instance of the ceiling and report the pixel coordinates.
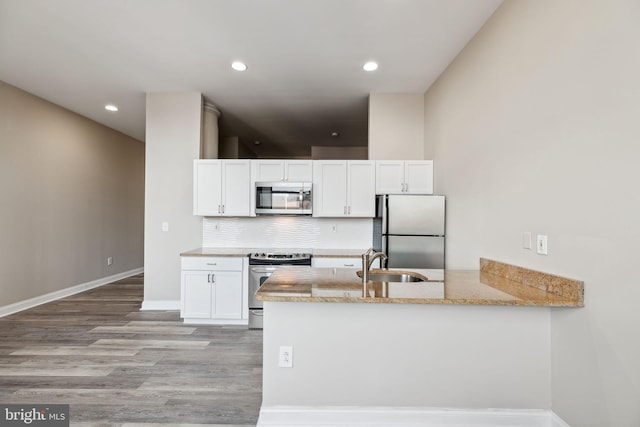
(304, 78)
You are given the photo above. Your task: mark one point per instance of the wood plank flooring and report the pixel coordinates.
(118, 366)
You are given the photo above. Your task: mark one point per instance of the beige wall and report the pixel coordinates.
(173, 127)
(232, 148)
(535, 127)
(407, 355)
(72, 194)
(319, 152)
(396, 126)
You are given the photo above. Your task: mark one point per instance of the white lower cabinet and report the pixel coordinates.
(214, 290)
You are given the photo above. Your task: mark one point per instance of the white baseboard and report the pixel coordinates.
(237, 322)
(556, 421)
(287, 416)
(62, 293)
(162, 305)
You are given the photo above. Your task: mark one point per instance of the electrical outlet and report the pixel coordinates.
(165, 226)
(334, 228)
(526, 240)
(541, 246)
(109, 260)
(285, 359)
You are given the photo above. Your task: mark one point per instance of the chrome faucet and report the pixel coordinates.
(367, 260)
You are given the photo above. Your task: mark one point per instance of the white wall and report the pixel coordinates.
(407, 355)
(396, 126)
(535, 127)
(173, 141)
(71, 195)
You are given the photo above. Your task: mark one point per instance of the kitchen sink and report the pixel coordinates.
(393, 276)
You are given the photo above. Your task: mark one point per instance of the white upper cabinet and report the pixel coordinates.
(282, 170)
(404, 177)
(222, 187)
(343, 188)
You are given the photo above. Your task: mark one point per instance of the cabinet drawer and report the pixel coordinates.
(337, 262)
(212, 263)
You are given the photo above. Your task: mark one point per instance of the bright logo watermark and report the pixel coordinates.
(34, 415)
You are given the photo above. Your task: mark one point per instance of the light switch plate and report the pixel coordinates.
(541, 246)
(526, 240)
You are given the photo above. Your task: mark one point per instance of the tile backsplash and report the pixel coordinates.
(287, 232)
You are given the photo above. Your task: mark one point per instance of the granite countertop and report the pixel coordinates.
(243, 252)
(466, 287)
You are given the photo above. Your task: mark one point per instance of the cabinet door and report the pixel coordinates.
(389, 177)
(227, 299)
(236, 188)
(330, 188)
(298, 170)
(268, 170)
(361, 189)
(196, 294)
(419, 177)
(207, 194)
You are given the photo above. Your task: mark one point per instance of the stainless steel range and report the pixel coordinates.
(262, 264)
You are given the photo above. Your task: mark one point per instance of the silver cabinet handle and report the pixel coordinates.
(212, 263)
(222, 208)
(349, 265)
(345, 210)
(219, 211)
(349, 210)
(209, 278)
(406, 187)
(213, 278)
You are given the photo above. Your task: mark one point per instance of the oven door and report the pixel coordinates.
(257, 276)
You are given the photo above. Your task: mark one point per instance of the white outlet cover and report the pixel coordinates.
(285, 358)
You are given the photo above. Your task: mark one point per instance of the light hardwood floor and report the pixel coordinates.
(118, 366)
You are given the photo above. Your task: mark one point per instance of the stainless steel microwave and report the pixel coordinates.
(283, 198)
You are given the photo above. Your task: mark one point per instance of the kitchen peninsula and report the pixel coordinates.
(397, 348)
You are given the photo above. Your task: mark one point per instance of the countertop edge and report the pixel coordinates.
(424, 301)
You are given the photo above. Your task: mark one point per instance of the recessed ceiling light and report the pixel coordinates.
(111, 107)
(335, 134)
(238, 66)
(370, 66)
(256, 142)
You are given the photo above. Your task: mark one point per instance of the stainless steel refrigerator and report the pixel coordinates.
(410, 230)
